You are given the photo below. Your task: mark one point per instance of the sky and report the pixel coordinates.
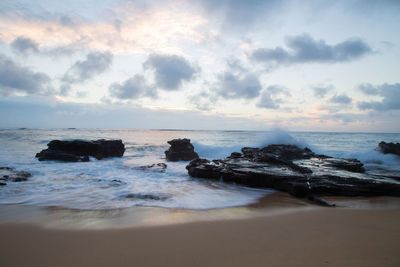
(315, 65)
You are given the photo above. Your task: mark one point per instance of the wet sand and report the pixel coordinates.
(321, 237)
(302, 236)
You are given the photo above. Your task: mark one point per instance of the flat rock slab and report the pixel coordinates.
(300, 172)
(80, 150)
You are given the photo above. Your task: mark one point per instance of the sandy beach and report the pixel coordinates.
(303, 237)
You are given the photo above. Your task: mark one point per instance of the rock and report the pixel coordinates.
(161, 197)
(80, 150)
(389, 148)
(159, 167)
(49, 154)
(2, 184)
(12, 175)
(181, 149)
(300, 172)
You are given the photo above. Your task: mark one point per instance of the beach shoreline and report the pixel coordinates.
(316, 237)
(293, 233)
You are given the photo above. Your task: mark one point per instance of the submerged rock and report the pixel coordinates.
(160, 197)
(389, 148)
(12, 175)
(159, 167)
(80, 150)
(181, 149)
(300, 172)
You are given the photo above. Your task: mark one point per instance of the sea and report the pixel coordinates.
(116, 183)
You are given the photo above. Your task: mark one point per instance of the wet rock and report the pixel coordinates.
(352, 165)
(181, 149)
(320, 201)
(160, 197)
(49, 154)
(80, 150)
(300, 172)
(12, 175)
(159, 167)
(389, 148)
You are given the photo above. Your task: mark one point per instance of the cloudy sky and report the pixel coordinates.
(314, 65)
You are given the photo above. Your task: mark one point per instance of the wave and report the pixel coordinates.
(372, 157)
(277, 136)
(215, 152)
(145, 147)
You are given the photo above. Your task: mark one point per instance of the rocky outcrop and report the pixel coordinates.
(80, 150)
(389, 148)
(300, 172)
(8, 174)
(181, 149)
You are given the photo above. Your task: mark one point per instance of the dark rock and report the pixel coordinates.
(298, 171)
(6, 168)
(12, 175)
(148, 196)
(235, 155)
(389, 148)
(159, 167)
(80, 150)
(2, 184)
(49, 154)
(352, 165)
(319, 201)
(181, 149)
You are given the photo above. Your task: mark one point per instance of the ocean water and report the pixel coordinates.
(104, 184)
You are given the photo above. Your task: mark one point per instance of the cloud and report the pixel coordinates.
(203, 100)
(94, 64)
(24, 46)
(369, 89)
(270, 97)
(304, 49)
(17, 79)
(238, 14)
(238, 86)
(132, 88)
(170, 71)
(123, 27)
(321, 91)
(266, 101)
(390, 94)
(341, 99)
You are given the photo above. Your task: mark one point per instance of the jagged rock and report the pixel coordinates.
(300, 172)
(12, 175)
(389, 148)
(181, 149)
(80, 150)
